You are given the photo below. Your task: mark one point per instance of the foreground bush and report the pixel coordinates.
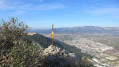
(10, 31)
(14, 51)
(22, 54)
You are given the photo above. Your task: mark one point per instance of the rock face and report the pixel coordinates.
(55, 51)
(56, 57)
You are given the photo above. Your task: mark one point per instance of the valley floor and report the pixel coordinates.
(103, 55)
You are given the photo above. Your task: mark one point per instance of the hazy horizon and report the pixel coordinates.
(67, 27)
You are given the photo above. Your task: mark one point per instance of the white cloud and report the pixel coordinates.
(18, 12)
(21, 8)
(52, 6)
(5, 5)
(16, 6)
(24, 7)
(100, 11)
(40, 0)
(13, 5)
(107, 12)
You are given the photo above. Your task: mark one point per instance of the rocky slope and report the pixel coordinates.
(56, 57)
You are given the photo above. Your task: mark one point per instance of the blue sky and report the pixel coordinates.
(62, 13)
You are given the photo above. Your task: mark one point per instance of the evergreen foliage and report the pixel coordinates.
(14, 52)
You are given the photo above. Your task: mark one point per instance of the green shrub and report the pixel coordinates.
(14, 52)
(10, 31)
(23, 54)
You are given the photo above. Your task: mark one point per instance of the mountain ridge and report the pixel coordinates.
(81, 29)
(45, 42)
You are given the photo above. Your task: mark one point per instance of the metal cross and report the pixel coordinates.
(52, 34)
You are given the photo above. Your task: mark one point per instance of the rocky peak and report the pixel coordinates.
(55, 51)
(57, 56)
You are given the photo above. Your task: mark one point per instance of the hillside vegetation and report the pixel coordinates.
(14, 52)
(19, 50)
(45, 42)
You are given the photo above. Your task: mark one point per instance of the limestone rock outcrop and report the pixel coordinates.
(55, 51)
(57, 57)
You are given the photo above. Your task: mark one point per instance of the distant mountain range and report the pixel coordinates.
(83, 29)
